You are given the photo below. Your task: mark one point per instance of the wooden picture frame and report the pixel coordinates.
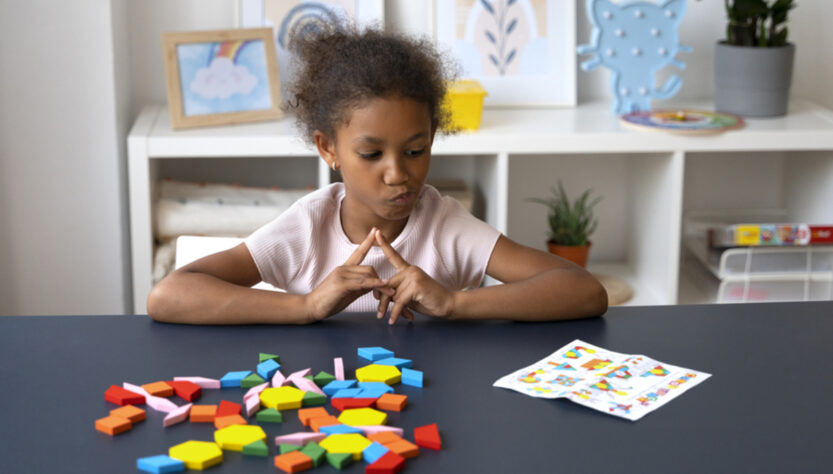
(221, 77)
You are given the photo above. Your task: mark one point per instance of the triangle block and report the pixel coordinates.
(258, 448)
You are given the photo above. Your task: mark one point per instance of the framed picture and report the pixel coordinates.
(221, 77)
(522, 51)
(296, 17)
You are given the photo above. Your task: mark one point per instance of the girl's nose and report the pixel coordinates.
(395, 172)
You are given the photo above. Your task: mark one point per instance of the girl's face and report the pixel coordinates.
(383, 152)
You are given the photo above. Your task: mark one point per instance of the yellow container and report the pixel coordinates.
(464, 100)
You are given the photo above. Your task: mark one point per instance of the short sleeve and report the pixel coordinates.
(465, 244)
(279, 247)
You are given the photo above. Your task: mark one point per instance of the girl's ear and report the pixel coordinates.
(326, 147)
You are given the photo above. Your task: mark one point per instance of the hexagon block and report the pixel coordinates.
(351, 443)
(234, 437)
(282, 398)
(387, 374)
(197, 455)
(362, 417)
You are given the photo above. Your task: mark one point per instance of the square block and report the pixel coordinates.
(203, 413)
(159, 389)
(392, 402)
(131, 412)
(294, 461)
(113, 425)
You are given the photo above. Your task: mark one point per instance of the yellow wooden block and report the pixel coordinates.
(379, 373)
(234, 437)
(197, 455)
(362, 417)
(282, 398)
(352, 443)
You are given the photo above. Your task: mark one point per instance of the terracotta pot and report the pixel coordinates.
(574, 253)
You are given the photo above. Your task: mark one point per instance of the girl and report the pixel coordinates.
(381, 241)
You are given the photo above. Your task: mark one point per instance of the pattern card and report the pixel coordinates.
(628, 386)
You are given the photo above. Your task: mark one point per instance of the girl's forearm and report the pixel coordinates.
(198, 298)
(551, 295)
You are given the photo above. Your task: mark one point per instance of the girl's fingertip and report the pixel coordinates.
(391, 321)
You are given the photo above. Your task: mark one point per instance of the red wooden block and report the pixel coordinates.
(293, 461)
(228, 408)
(186, 390)
(343, 403)
(387, 464)
(428, 436)
(122, 397)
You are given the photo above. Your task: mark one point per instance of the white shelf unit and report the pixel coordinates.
(647, 179)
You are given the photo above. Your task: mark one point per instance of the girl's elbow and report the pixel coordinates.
(597, 300)
(158, 304)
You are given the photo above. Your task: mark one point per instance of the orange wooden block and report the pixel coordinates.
(404, 448)
(392, 402)
(131, 412)
(293, 461)
(319, 421)
(221, 422)
(203, 413)
(384, 437)
(306, 414)
(113, 425)
(159, 389)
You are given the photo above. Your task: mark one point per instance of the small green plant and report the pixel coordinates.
(757, 22)
(571, 223)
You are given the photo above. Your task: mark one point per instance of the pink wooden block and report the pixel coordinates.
(278, 380)
(300, 438)
(372, 429)
(339, 368)
(306, 385)
(157, 403)
(252, 405)
(201, 381)
(300, 373)
(255, 391)
(177, 416)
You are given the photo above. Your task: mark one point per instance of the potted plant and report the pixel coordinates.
(753, 65)
(571, 224)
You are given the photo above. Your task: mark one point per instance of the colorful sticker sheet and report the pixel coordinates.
(624, 385)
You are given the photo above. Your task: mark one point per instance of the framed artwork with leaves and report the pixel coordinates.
(522, 51)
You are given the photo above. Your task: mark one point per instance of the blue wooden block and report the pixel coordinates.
(267, 368)
(337, 385)
(374, 353)
(376, 386)
(339, 429)
(233, 379)
(371, 392)
(412, 377)
(395, 361)
(347, 393)
(373, 452)
(160, 464)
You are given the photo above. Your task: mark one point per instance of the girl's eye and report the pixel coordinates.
(415, 152)
(371, 155)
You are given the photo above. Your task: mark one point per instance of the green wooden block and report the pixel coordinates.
(258, 448)
(309, 377)
(264, 356)
(252, 380)
(323, 378)
(288, 448)
(313, 399)
(339, 460)
(315, 452)
(269, 415)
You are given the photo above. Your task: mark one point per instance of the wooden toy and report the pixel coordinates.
(267, 368)
(323, 378)
(372, 392)
(370, 429)
(388, 374)
(263, 357)
(374, 353)
(252, 405)
(384, 437)
(197, 455)
(404, 448)
(121, 397)
(428, 436)
(252, 380)
(160, 464)
(278, 379)
(387, 464)
(396, 362)
(315, 452)
(307, 414)
(203, 382)
(412, 377)
(188, 391)
(221, 422)
(234, 437)
(347, 393)
(284, 448)
(634, 40)
(317, 423)
(113, 425)
(338, 366)
(159, 389)
(344, 403)
(294, 461)
(339, 429)
(313, 399)
(177, 416)
(203, 413)
(228, 408)
(339, 460)
(362, 417)
(346, 443)
(157, 403)
(233, 379)
(337, 385)
(305, 384)
(131, 412)
(373, 452)
(392, 402)
(255, 391)
(258, 448)
(376, 386)
(269, 415)
(282, 398)
(300, 438)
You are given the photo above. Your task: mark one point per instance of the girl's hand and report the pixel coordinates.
(346, 283)
(414, 289)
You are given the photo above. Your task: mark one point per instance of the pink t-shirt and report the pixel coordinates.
(298, 249)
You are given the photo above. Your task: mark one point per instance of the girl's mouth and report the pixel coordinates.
(403, 199)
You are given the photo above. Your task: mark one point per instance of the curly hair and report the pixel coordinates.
(342, 67)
